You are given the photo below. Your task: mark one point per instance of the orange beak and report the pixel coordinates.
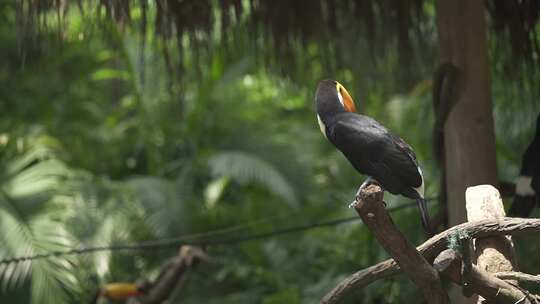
(348, 102)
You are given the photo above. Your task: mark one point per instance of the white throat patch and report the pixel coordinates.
(321, 126)
(340, 98)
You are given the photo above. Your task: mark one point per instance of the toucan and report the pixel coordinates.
(370, 147)
(528, 182)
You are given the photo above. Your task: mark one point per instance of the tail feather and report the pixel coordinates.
(422, 207)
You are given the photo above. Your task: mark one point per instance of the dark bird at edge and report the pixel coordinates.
(528, 183)
(371, 148)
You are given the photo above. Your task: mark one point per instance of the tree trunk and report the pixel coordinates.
(469, 138)
(468, 131)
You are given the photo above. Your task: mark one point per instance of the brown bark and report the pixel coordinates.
(481, 282)
(519, 277)
(172, 273)
(468, 132)
(430, 249)
(371, 209)
(469, 138)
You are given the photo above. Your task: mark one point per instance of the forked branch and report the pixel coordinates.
(430, 249)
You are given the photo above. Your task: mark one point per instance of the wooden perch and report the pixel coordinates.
(519, 277)
(492, 249)
(495, 290)
(371, 209)
(172, 272)
(430, 249)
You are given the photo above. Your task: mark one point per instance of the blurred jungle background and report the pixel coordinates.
(126, 121)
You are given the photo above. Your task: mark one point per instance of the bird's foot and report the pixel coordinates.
(355, 202)
(366, 183)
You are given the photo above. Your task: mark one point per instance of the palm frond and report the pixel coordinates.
(246, 168)
(27, 189)
(161, 202)
(51, 279)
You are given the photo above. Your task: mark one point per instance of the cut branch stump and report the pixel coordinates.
(495, 253)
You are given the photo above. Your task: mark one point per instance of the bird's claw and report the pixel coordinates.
(355, 202)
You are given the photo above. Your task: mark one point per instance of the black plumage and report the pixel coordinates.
(370, 147)
(528, 183)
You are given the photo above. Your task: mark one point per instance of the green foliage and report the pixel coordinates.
(30, 219)
(244, 168)
(106, 140)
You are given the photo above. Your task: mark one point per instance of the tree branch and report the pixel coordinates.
(478, 281)
(431, 248)
(371, 208)
(466, 266)
(171, 273)
(518, 276)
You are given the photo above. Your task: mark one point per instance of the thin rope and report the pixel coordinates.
(196, 239)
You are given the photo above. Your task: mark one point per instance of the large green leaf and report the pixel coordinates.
(161, 203)
(247, 168)
(29, 223)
